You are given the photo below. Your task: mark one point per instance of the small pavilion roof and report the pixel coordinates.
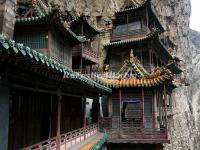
(143, 79)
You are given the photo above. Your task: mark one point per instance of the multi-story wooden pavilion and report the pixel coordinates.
(141, 72)
(86, 54)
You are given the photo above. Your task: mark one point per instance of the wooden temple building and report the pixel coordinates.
(42, 100)
(141, 73)
(43, 90)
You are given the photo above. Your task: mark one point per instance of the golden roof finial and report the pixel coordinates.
(132, 58)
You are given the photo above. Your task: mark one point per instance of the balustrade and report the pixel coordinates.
(68, 140)
(128, 32)
(131, 132)
(87, 52)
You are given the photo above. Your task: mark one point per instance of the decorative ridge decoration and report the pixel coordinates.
(145, 79)
(11, 47)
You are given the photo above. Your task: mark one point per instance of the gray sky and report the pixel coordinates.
(195, 17)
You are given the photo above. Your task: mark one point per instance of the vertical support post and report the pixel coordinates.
(142, 107)
(81, 65)
(84, 114)
(110, 106)
(127, 24)
(147, 18)
(49, 46)
(150, 60)
(154, 108)
(90, 70)
(120, 111)
(165, 96)
(58, 122)
(50, 117)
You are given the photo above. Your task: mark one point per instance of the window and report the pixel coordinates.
(33, 39)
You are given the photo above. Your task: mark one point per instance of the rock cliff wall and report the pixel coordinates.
(174, 15)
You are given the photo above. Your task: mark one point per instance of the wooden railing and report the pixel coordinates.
(68, 140)
(131, 132)
(82, 71)
(128, 34)
(87, 52)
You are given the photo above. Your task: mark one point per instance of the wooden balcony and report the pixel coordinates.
(88, 52)
(120, 132)
(67, 141)
(128, 34)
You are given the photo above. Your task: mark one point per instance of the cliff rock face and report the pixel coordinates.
(174, 15)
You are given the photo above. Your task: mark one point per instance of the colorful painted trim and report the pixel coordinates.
(17, 48)
(133, 82)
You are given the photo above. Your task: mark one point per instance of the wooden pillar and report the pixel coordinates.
(127, 23)
(165, 96)
(81, 60)
(110, 106)
(120, 111)
(90, 70)
(49, 45)
(142, 107)
(154, 108)
(58, 122)
(84, 114)
(147, 17)
(150, 60)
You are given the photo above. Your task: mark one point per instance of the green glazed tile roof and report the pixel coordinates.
(11, 46)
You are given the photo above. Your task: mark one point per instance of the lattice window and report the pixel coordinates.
(35, 40)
